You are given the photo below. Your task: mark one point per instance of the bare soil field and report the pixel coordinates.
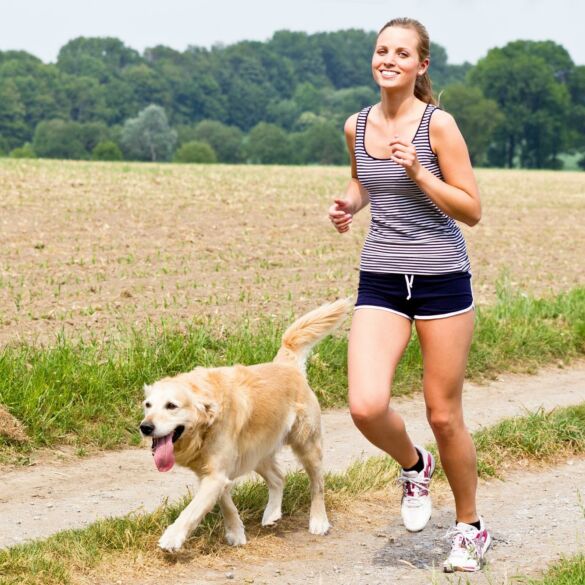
(94, 248)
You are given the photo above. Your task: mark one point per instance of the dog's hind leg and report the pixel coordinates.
(234, 527)
(268, 468)
(310, 453)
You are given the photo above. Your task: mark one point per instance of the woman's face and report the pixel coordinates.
(395, 62)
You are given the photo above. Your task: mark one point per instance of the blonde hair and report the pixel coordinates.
(423, 88)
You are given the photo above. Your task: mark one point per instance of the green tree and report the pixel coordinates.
(443, 73)
(58, 139)
(226, 141)
(196, 94)
(63, 139)
(345, 102)
(577, 116)
(147, 86)
(304, 52)
(478, 118)
(268, 144)
(13, 126)
(195, 152)
(308, 98)
(347, 55)
(39, 88)
(149, 136)
(86, 98)
(324, 144)
(283, 113)
(107, 150)
(98, 57)
(534, 102)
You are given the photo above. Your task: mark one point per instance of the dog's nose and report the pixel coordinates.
(146, 428)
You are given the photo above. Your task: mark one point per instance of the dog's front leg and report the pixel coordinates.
(210, 489)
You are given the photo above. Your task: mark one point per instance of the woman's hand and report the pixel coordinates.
(341, 215)
(404, 154)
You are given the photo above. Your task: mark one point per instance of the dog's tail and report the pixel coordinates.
(308, 330)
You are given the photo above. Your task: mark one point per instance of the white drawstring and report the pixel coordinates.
(409, 285)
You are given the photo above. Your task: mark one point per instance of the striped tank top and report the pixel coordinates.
(408, 233)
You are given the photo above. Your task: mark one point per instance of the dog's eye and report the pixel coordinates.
(147, 404)
(170, 406)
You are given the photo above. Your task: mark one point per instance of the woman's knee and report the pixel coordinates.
(364, 412)
(444, 423)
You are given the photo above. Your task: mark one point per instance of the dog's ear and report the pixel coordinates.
(147, 390)
(207, 407)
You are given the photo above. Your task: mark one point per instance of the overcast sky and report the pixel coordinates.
(466, 28)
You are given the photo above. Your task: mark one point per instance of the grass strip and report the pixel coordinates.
(88, 393)
(538, 437)
(570, 571)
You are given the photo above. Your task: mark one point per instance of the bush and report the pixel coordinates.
(268, 144)
(324, 145)
(225, 140)
(24, 151)
(106, 150)
(195, 152)
(66, 139)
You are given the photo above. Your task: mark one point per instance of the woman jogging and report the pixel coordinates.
(410, 162)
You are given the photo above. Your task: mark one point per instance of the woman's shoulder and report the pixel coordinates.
(351, 123)
(443, 131)
(442, 120)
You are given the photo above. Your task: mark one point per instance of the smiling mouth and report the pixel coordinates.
(163, 449)
(176, 436)
(178, 432)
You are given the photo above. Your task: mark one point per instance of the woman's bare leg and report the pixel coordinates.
(445, 346)
(376, 343)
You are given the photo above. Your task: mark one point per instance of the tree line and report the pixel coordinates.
(280, 101)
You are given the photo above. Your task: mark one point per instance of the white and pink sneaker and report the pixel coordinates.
(416, 507)
(468, 547)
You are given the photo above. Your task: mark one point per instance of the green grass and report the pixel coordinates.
(541, 437)
(88, 393)
(566, 572)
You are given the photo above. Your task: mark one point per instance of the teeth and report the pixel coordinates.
(389, 74)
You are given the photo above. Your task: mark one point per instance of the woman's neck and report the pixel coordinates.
(394, 105)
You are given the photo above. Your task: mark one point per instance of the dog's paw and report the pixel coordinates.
(271, 517)
(172, 539)
(319, 525)
(235, 538)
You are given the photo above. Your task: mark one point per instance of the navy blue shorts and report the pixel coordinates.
(416, 296)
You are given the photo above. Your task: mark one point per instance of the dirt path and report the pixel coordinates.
(40, 500)
(368, 545)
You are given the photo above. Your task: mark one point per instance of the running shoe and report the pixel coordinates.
(468, 547)
(416, 507)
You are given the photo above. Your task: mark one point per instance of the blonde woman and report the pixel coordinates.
(410, 162)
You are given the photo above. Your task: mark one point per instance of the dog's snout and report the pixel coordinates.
(146, 428)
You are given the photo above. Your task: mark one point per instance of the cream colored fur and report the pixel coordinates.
(237, 418)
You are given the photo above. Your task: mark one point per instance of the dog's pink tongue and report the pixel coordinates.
(164, 457)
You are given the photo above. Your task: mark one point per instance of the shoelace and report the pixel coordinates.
(418, 485)
(462, 542)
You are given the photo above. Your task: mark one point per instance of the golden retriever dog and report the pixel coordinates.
(225, 422)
